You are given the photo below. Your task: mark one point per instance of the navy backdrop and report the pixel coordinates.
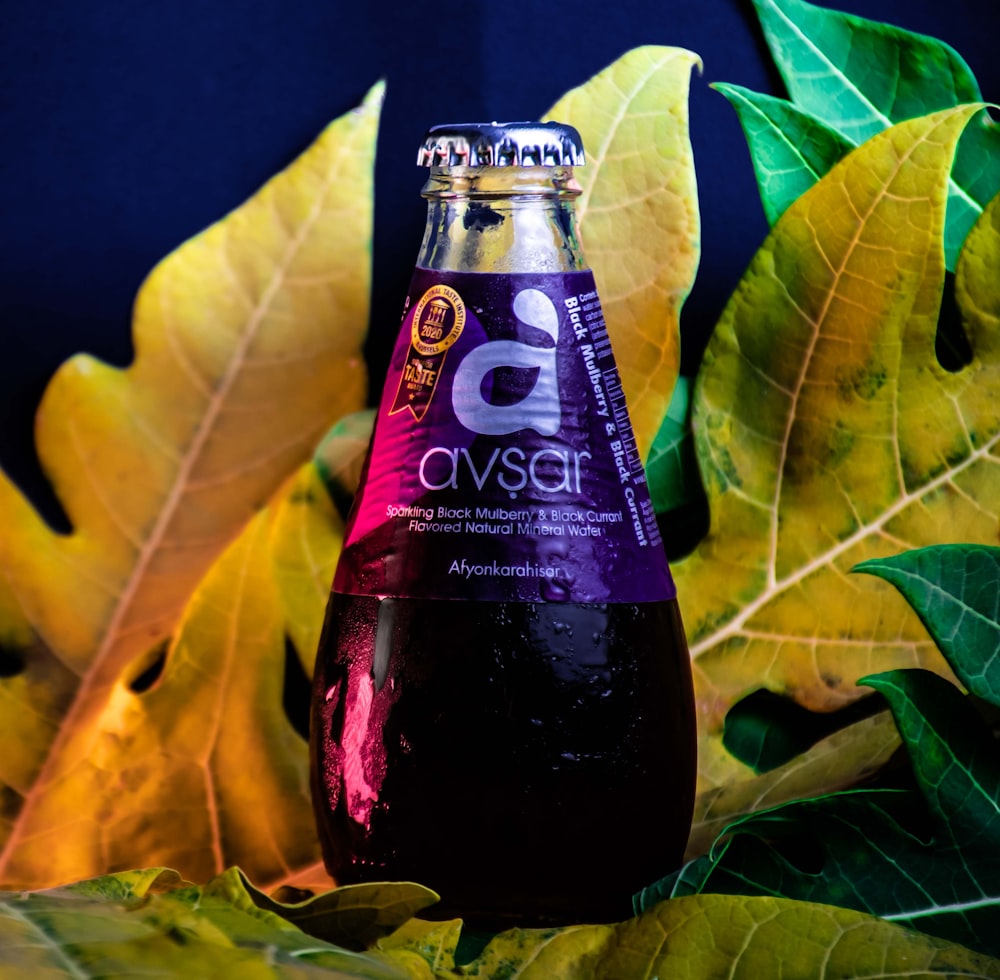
(127, 127)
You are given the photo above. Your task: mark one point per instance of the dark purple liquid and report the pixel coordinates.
(533, 763)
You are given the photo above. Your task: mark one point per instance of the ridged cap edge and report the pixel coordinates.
(510, 144)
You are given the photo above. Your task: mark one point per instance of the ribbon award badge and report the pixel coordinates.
(438, 321)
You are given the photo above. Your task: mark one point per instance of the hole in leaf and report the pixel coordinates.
(10, 804)
(684, 526)
(149, 668)
(471, 943)
(951, 344)
(296, 691)
(765, 730)
(12, 662)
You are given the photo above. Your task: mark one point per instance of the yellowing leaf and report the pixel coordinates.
(308, 530)
(247, 346)
(29, 675)
(837, 762)
(702, 937)
(639, 215)
(828, 433)
(306, 538)
(150, 923)
(352, 915)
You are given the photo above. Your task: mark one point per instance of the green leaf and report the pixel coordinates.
(860, 76)
(341, 454)
(865, 850)
(827, 433)
(765, 731)
(806, 849)
(790, 149)
(957, 766)
(672, 468)
(307, 530)
(955, 590)
(932, 863)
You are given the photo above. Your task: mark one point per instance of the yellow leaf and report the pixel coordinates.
(203, 769)
(308, 530)
(248, 346)
(829, 433)
(639, 215)
(29, 676)
(705, 937)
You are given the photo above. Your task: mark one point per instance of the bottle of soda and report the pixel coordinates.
(502, 706)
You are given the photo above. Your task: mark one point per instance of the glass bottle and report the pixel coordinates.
(502, 704)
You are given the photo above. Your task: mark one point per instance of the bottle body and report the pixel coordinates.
(538, 758)
(502, 704)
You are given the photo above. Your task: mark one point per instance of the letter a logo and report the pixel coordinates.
(539, 409)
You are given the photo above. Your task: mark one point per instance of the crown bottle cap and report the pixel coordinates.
(510, 144)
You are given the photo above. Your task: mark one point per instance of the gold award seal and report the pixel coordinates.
(438, 321)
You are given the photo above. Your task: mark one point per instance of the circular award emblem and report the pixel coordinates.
(438, 320)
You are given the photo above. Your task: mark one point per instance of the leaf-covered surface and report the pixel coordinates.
(638, 215)
(248, 345)
(860, 76)
(152, 921)
(828, 433)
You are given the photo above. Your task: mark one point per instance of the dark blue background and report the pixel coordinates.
(126, 126)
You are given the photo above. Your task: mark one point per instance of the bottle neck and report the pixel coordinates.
(501, 219)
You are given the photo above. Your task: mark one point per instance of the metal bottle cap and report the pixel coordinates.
(510, 144)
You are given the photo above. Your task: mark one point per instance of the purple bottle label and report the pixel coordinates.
(503, 465)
